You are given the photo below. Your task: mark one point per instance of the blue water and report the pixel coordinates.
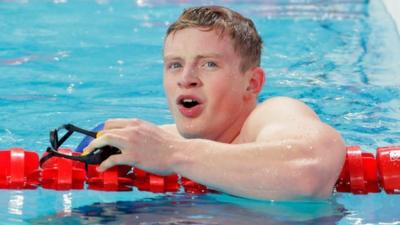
(86, 61)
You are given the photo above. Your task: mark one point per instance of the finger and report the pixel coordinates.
(121, 123)
(111, 134)
(113, 161)
(107, 138)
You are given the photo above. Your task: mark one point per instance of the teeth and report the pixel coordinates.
(188, 100)
(189, 103)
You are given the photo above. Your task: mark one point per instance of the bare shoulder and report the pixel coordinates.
(285, 119)
(274, 113)
(284, 122)
(282, 108)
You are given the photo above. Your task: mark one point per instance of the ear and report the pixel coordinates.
(256, 80)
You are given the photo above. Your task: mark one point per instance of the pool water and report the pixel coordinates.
(86, 61)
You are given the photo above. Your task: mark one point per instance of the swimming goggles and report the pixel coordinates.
(96, 156)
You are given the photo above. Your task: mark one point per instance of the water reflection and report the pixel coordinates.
(67, 203)
(16, 203)
(205, 209)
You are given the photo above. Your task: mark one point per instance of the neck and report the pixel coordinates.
(229, 134)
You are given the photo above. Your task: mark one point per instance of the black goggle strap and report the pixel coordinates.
(56, 143)
(53, 153)
(73, 128)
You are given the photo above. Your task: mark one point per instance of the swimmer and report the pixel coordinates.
(222, 138)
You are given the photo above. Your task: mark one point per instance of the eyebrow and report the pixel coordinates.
(211, 55)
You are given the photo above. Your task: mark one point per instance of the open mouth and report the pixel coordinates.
(188, 103)
(189, 106)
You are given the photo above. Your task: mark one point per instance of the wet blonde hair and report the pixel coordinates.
(246, 41)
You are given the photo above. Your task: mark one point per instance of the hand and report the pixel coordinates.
(143, 145)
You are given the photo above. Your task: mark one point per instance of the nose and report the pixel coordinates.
(189, 79)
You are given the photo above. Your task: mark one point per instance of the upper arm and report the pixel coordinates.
(304, 138)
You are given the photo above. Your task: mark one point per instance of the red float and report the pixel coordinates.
(19, 169)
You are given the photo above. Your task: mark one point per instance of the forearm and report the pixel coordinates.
(243, 170)
(253, 170)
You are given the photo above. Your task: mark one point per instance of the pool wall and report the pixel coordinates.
(393, 8)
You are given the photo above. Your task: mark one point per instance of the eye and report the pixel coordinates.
(174, 66)
(210, 64)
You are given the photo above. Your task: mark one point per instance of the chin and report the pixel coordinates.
(188, 134)
(187, 131)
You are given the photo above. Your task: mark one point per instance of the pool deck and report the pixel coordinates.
(393, 8)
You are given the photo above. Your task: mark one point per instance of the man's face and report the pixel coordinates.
(203, 83)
